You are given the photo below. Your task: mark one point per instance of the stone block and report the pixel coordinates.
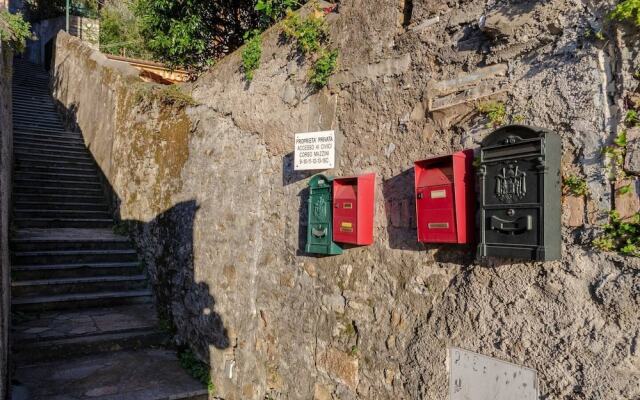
(632, 160)
(340, 366)
(481, 83)
(628, 204)
(573, 208)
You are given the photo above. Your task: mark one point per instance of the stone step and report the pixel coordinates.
(35, 168)
(97, 206)
(57, 199)
(47, 127)
(59, 214)
(147, 374)
(51, 133)
(63, 138)
(45, 120)
(73, 256)
(74, 184)
(74, 270)
(41, 114)
(93, 284)
(80, 301)
(51, 156)
(48, 176)
(63, 223)
(35, 160)
(64, 348)
(68, 239)
(24, 189)
(46, 152)
(49, 145)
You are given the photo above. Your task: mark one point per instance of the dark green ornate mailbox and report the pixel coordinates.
(320, 230)
(519, 194)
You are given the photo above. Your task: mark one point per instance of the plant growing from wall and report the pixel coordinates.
(626, 10)
(495, 111)
(14, 30)
(631, 118)
(575, 185)
(197, 369)
(251, 53)
(323, 68)
(309, 33)
(621, 236)
(273, 10)
(614, 155)
(120, 31)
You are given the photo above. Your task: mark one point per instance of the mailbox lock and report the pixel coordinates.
(420, 196)
(511, 212)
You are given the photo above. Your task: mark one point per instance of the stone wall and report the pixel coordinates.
(219, 213)
(6, 162)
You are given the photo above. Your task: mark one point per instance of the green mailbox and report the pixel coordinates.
(320, 229)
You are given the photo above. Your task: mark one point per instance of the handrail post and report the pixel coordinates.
(67, 17)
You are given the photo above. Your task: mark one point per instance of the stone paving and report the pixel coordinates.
(57, 324)
(133, 375)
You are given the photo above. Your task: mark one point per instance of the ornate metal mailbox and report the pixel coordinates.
(319, 230)
(444, 198)
(519, 194)
(353, 204)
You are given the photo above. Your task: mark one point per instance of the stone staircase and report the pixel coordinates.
(84, 321)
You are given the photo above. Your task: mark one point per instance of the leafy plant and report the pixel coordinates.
(616, 154)
(575, 185)
(599, 35)
(624, 189)
(251, 53)
(323, 68)
(120, 31)
(495, 111)
(353, 352)
(518, 118)
(631, 118)
(196, 368)
(309, 33)
(620, 236)
(37, 10)
(627, 10)
(14, 30)
(274, 10)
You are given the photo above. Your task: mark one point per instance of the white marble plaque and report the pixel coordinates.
(473, 376)
(314, 150)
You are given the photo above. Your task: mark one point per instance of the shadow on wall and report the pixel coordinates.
(165, 246)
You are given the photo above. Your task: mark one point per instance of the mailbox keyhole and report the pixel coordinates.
(420, 196)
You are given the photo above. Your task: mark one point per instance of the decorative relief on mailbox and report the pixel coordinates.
(519, 194)
(319, 229)
(511, 184)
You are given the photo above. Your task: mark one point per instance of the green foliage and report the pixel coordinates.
(518, 119)
(616, 154)
(273, 10)
(251, 54)
(38, 10)
(323, 68)
(575, 185)
(631, 118)
(197, 369)
(354, 351)
(626, 10)
(624, 189)
(309, 33)
(119, 31)
(620, 236)
(191, 33)
(14, 30)
(495, 111)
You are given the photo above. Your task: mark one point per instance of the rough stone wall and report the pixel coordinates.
(226, 245)
(6, 162)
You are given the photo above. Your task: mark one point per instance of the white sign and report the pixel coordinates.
(473, 376)
(315, 150)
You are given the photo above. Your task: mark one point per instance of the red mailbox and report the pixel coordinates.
(445, 198)
(353, 204)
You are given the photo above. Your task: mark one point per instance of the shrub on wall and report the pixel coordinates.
(14, 30)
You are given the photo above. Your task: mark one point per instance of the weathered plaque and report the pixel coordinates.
(314, 150)
(473, 376)
(519, 194)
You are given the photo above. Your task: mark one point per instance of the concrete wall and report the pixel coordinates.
(220, 214)
(6, 163)
(86, 29)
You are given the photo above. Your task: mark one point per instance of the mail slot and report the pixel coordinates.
(519, 194)
(353, 209)
(445, 198)
(319, 229)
